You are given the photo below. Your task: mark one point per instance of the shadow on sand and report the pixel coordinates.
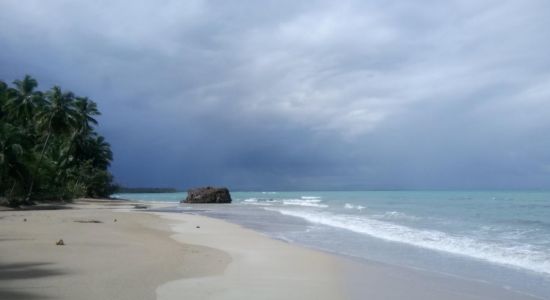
(41, 206)
(12, 273)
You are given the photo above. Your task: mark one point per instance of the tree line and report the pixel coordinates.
(49, 146)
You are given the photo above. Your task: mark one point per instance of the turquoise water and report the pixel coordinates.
(152, 197)
(501, 237)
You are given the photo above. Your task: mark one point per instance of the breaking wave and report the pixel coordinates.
(516, 255)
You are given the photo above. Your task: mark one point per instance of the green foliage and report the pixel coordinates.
(49, 148)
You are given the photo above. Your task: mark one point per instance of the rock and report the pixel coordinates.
(208, 195)
(60, 243)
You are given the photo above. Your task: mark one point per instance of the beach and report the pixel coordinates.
(125, 259)
(113, 251)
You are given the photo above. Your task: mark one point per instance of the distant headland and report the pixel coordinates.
(146, 190)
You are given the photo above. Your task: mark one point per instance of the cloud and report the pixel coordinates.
(274, 94)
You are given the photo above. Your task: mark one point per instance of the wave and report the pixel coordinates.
(256, 201)
(515, 255)
(304, 202)
(536, 223)
(310, 198)
(351, 206)
(396, 215)
(260, 203)
(310, 202)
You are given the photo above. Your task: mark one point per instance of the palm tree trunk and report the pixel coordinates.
(76, 183)
(37, 168)
(12, 187)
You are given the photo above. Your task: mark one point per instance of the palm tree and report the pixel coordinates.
(85, 111)
(48, 145)
(23, 103)
(58, 117)
(3, 87)
(13, 170)
(4, 91)
(102, 153)
(93, 157)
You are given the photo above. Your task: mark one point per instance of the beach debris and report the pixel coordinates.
(140, 206)
(114, 220)
(88, 221)
(25, 220)
(198, 226)
(60, 243)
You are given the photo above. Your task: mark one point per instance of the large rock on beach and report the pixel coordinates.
(208, 195)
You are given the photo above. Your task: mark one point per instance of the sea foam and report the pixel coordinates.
(351, 206)
(519, 256)
(304, 202)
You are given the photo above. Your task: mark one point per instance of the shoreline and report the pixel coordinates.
(355, 278)
(161, 255)
(260, 268)
(428, 231)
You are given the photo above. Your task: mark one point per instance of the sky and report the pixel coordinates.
(271, 95)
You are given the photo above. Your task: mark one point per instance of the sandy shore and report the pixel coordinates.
(261, 268)
(165, 256)
(126, 259)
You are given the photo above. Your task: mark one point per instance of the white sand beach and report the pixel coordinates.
(146, 255)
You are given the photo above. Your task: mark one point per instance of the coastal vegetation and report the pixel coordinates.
(49, 146)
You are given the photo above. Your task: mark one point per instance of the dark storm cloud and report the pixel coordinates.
(320, 94)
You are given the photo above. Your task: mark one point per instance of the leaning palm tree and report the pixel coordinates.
(48, 144)
(58, 117)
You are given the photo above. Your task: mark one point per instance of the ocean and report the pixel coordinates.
(498, 237)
